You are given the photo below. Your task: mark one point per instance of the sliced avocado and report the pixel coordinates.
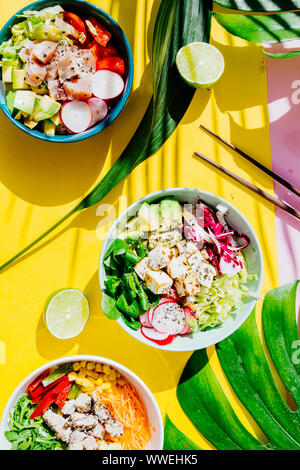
(38, 114)
(56, 119)
(171, 214)
(18, 79)
(49, 127)
(133, 223)
(49, 106)
(10, 99)
(29, 123)
(24, 101)
(149, 216)
(7, 73)
(19, 116)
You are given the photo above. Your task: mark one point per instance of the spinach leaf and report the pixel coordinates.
(110, 308)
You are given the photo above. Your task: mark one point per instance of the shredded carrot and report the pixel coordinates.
(127, 407)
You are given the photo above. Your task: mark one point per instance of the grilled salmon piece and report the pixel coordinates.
(44, 51)
(35, 73)
(79, 89)
(56, 91)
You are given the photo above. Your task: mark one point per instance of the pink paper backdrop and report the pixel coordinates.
(284, 112)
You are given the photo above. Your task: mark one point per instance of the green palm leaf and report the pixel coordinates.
(244, 362)
(260, 5)
(178, 23)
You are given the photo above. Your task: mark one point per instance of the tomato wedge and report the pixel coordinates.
(114, 64)
(99, 32)
(77, 23)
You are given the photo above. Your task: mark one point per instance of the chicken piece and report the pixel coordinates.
(195, 260)
(85, 61)
(35, 73)
(83, 403)
(25, 52)
(90, 443)
(68, 408)
(188, 284)
(177, 267)
(186, 248)
(166, 238)
(56, 91)
(67, 66)
(82, 422)
(98, 431)
(76, 440)
(99, 409)
(58, 424)
(114, 427)
(205, 271)
(174, 252)
(158, 282)
(79, 88)
(103, 445)
(44, 51)
(158, 258)
(52, 70)
(142, 268)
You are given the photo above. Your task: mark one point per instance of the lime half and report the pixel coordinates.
(200, 64)
(66, 313)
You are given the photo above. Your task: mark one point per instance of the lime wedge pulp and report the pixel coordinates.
(66, 313)
(200, 64)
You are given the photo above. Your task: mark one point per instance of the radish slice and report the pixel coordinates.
(159, 338)
(99, 110)
(151, 310)
(76, 116)
(107, 85)
(144, 321)
(169, 317)
(188, 313)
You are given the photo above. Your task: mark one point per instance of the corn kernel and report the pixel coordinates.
(112, 375)
(91, 373)
(121, 382)
(106, 369)
(83, 363)
(72, 376)
(79, 381)
(76, 366)
(99, 390)
(99, 381)
(90, 366)
(118, 375)
(106, 378)
(82, 373)
(98, 368)
(87, 383)
(106, 386)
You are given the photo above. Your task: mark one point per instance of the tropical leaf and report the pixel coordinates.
(175, 439)
(260, 5)
(244, 362)
(281, 55)
(178, 23)
(262, 29)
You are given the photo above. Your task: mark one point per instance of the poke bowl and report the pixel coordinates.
(180, 270)
(66, 70)
(81, 402)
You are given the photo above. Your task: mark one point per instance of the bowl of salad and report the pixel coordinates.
(181, 269)
(66, 70)
(82, 403)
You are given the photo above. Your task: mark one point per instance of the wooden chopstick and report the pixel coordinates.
(271, 173)
(282, 205)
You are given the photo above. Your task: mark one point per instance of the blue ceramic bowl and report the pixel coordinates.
(82, 8)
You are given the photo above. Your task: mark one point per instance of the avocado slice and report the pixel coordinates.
(18, 79)
(49, 106)
(171, 213)
(56, 119)
(149, 217)
(49, 127)
(38, 114)
(7, 73)
(10, 100)
(24, 101)
(29, 123)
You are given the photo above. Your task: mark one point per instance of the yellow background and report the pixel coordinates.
(40, 182)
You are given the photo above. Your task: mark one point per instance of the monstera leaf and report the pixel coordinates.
(244, 362)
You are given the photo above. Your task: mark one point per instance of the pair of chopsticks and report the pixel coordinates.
(282, 205)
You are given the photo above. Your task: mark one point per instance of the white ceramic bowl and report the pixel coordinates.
(252, 254)
(154, 415)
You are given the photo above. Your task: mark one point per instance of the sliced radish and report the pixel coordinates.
(99, 110)
(107, 85)
(151, 310)
(76, 116)
(169, 317)
(188, 313)
(144, 321)
(159, 338)
(172, 295)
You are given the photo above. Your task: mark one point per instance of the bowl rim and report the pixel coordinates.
(157, 195)
(69, 138)
(77, 358)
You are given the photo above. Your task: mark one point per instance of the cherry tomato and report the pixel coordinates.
(99, 32)
(114, 64)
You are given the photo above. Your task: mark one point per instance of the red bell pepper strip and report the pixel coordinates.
(45, 390)
(114, 64)
(99, 32)
(77, 23)
(48, 399)
(37, 381)
(61, 399)
(40, 390)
